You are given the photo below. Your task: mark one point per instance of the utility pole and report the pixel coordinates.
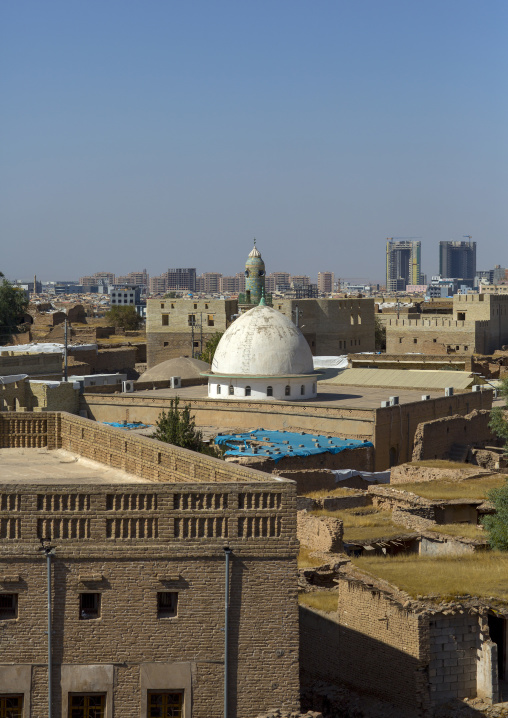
(298, 313)
(193, 321)
(201, 329)
(65, 350)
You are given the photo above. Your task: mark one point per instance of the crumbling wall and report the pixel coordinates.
(407, 473)
(371, 645)
(434, 439)
(320, 533)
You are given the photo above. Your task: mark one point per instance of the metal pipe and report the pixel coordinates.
(227, 552)
(50, 672)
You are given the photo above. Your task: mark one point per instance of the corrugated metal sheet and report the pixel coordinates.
(405, 378)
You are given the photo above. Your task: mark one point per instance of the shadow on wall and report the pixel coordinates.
(340, 657)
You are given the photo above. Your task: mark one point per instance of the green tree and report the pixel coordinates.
(178, 427)
(124, 317)
(210, 347)
(379, 335)
(496, 524)
(498, 416)
(13, 306)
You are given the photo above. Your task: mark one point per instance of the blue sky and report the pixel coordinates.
(158, 133)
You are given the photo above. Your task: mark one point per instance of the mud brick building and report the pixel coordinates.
(479, 325)
(170, 322)
(333, 326)
(139, 530)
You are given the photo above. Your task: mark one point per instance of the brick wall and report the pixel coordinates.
(129, 541)
(38, 366)
(320, 533)
(371, 645)
(434, 439)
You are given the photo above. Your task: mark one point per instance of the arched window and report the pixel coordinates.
(302, 390)
(287, 390)
(218, 388)
(247, 391)
(269, 391)
(231, 389)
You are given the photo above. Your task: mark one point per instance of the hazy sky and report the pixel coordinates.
(166, 134)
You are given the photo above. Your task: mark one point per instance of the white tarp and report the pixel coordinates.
(44, 348)
(331, 362)
(10, 379)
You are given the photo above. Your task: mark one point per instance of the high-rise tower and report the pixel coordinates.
(457, 259)
(254, 277)
(403, 264)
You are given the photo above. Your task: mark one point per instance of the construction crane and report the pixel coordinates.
(469, 236)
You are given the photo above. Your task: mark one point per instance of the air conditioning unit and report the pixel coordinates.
(175, 382)
(384, 404)
(128, 387)
(477, 387)
(425, 397)
(448, 391)
(394, 401)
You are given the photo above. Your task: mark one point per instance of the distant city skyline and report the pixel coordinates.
(171, 134)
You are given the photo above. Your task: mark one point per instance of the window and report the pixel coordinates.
(415, 340)
(211, 320)
(231, 389)
(302, 390)
(206, 306)
(218, 388)
(269, 391)
(195, 306)
(192, 320)
(89, 606)
(165, 320)
(434, 340)
(162, 306)
(400, 340)
(166, 344)
(11, 706)
(196, 344)
(87, 706)
(247, 391)
(165, 704)
(167, 603)
(461, 316)
(287, 390)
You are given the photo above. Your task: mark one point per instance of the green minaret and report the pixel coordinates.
(254, 277)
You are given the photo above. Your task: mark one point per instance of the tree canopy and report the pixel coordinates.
(13, 306)
(210, 347)
(178, 427)
(124, 317)
(496, 524)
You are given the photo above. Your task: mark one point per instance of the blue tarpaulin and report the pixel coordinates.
(277, 444)
(127, 425)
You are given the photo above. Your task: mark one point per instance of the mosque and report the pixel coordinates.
(262, 355)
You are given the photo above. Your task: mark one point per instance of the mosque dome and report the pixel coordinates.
(263, 343)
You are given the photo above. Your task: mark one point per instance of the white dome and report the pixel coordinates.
(262, 342)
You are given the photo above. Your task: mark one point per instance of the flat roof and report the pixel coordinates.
(56, 467)
(347, 397)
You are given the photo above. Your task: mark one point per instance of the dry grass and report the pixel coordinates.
(305, 560)
(465, 489)
(470, 531)
(479, 574)
(365, 523)
(322, 600)
(441, 464)
(328, 493)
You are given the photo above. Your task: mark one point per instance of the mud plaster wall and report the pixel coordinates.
(434, 439)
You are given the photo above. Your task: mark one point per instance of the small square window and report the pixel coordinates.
(166, 344)
(162, 306)
(89, 606)
(165, 320)
(8, 606)
(167, 604)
